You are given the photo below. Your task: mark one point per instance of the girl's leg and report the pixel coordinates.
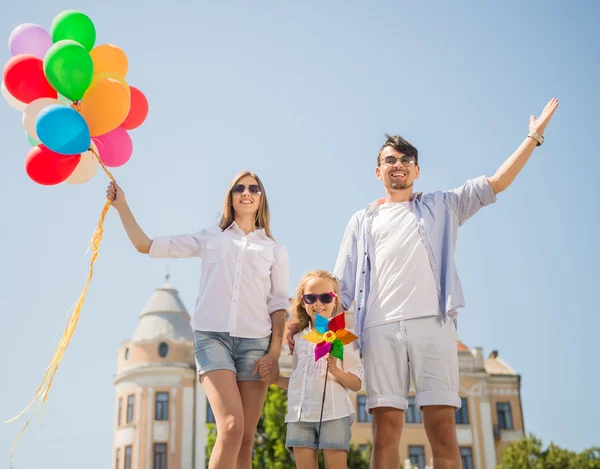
(253, 394)
(306, 458)
(335, 458)
(226, 403)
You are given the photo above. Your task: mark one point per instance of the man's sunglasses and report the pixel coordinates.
(252, 188)
(324, 298)
(405, 160)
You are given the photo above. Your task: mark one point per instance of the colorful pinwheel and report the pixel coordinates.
(330, 336)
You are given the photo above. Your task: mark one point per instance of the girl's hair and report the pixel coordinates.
(297, 304)
(262, 217)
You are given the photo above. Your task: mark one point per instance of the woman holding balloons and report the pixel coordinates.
(240, 312)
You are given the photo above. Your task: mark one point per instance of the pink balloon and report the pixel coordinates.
(115, 147)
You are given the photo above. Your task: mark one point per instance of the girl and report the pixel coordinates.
(318, 293)
(240, 311)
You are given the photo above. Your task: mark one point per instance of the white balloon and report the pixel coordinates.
(86, 168)
(31, 112)
(11, 100)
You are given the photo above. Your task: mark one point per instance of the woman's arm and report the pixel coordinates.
(136, 235)
(179, 246)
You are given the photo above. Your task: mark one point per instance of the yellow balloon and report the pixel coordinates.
(86, 168)
(109, 58)
(106, 103)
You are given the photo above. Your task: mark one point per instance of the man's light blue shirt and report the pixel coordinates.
(438, 217)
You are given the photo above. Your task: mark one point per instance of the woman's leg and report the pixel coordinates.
(306, 458)
(253, 394)
(226, 403)
(246, 351)
(335, 458)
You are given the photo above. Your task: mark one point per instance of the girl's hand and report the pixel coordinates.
(333, 368)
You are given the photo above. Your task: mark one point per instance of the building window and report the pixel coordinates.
(127, 353)
(362, 448)
(462, 414)
(466, 456)
(416, 454)
(130, 404)
(210, 417)
(120, 412)
(160, 456)
(413, 413)
(128, 453)
(363, 415)
(504, 415)
(162, 406)
(118, 459)
(163, 349)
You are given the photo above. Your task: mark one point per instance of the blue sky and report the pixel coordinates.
(302, 93)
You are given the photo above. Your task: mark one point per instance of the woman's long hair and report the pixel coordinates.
(262, 218)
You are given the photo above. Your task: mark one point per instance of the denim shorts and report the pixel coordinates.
(220, 351)
(335, 434)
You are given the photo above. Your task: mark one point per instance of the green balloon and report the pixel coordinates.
(76, 26)
(69, 69)
(33, 141)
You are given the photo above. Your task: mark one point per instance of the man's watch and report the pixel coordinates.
(537, 137)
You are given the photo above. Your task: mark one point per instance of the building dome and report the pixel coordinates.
(163, 317)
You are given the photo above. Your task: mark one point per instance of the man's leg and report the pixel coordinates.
(387, 430)
(441, 433)
(387, 380)
(433, 355)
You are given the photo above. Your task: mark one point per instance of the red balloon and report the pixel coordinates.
(138, 110)
(25, 79)
(47, 167)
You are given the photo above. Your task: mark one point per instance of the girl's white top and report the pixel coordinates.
(244, 278)
(305, 389)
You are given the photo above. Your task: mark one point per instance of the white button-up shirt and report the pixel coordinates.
(305, 389)
(244, 278)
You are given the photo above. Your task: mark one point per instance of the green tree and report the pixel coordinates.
(269, 442)
(211, 437)
(528, 454)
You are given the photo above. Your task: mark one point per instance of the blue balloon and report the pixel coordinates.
(63, 130)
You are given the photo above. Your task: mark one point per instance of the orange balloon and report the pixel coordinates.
(109, 58)
(106, 103)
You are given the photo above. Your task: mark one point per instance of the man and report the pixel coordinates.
(397, 262)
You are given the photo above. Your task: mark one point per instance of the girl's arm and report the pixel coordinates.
(282, 382)
(351, 373)
(346, 379)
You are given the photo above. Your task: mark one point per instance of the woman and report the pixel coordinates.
(240, 312)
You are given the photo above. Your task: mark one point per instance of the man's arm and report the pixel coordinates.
(507, 173)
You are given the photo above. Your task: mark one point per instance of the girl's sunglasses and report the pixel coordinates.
(252, 188)
(324, 298)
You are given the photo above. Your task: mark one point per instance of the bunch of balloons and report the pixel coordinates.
(77, 106)
(77, 110)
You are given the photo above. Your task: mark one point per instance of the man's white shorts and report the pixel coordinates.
(427, 347)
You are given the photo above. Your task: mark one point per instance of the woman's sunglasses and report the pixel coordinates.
(252, 188)
(324, 298)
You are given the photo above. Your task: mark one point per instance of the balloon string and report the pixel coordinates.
(42, 393)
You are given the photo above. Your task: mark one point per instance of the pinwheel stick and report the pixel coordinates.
(322, 406)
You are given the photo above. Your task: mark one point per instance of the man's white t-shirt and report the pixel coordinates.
(402, 281)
